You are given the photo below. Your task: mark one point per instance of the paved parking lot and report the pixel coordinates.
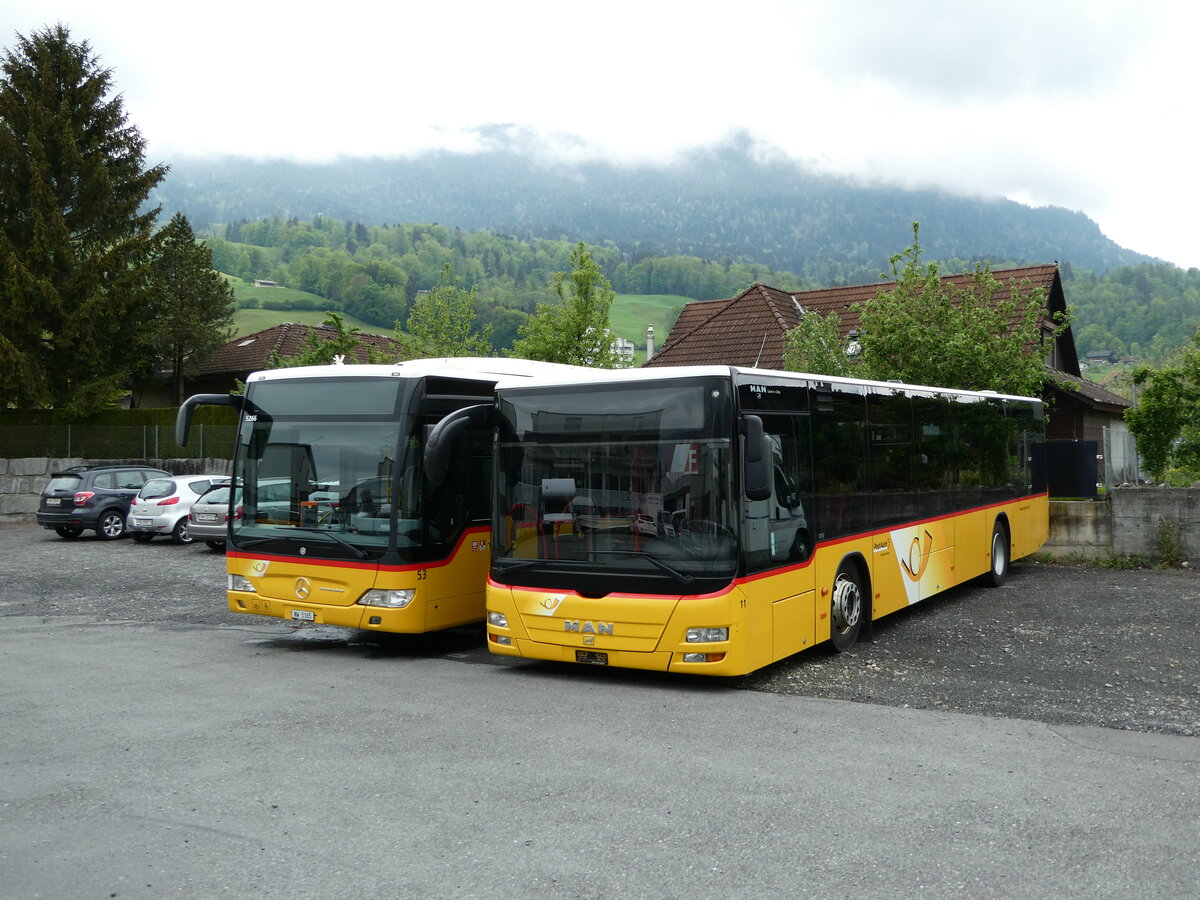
(1062, 645)
(156, 745)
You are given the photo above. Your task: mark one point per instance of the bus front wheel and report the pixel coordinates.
(846, 608)
(998, 572)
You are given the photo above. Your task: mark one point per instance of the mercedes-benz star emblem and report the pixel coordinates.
(303, 588)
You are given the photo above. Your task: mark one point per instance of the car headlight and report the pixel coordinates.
(241, 583)
(389, 599)
(500, 620)
(707, 635)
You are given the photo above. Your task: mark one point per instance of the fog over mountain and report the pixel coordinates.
(722, 202)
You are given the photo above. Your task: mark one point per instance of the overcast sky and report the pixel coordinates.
(1087, 104)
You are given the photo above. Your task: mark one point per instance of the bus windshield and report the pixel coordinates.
(329, 467)
(598, 485)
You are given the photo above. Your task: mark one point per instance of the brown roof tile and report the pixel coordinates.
(748, 330)
(251, 352)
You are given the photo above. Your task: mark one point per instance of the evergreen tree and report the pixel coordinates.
(193, 305)
(75, 239)
(441, 320)
(576, 329)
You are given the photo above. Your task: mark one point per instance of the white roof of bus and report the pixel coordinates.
(477, 367)
(578, 376)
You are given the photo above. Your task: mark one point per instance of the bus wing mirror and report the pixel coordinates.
(756, 459)
(183, 418)
(440, 444)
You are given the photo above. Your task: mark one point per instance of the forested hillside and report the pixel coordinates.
(717, 204)
(373, 272)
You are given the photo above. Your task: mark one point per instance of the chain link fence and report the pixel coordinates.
(115, 442)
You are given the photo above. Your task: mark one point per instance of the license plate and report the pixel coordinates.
(206, 517)
(143, 523)
(52, 501)
(591, 657)
(304, 615)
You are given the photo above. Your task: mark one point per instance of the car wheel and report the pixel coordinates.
(141, 537)
(215, 545)
(112, 525)
(66, 531)
(180, 533)
(846, 607)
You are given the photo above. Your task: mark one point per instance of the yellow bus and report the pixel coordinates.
(714, 520)
(332, 520)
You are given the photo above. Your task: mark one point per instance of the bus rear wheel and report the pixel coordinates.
(998, 572)
(846, 608)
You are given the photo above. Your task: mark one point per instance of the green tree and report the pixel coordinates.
(193, 306)
(575, 330)
(323, 351)
(924, 330)
(441, 321)
(1166, 421)
(76, 238)
(816, 345)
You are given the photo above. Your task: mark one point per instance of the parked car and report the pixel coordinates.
(162, 506)
(92, 497)
(208, 519)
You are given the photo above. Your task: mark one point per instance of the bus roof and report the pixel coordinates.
(490, 369)
(582, 376)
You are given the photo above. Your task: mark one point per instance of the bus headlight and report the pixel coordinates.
(707, 635)
(389, 599)
(500, 620)
(241, 583)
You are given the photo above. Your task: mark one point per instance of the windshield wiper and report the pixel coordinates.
(669, 569)
(650, 557)
(357, 551)
(252, 542)
(514, 566)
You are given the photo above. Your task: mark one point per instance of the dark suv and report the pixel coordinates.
(95, 497)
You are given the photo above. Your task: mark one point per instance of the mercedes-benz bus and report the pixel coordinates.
(332, 520)
(713, 520)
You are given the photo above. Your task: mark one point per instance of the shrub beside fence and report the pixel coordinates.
(115, 442)
(116, 434)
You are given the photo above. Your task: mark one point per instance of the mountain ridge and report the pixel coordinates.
(720, 202)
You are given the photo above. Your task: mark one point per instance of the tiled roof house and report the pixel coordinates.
(749, 329)
(250, 353)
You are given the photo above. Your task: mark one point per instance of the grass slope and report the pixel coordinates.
(629, 316)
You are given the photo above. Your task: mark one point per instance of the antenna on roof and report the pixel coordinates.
(760, 350)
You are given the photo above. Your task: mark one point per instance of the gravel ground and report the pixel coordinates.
(1057, 644)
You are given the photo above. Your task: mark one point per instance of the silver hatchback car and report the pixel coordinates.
(208, 519)
(162, 506)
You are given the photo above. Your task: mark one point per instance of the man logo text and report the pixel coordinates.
(578, 627)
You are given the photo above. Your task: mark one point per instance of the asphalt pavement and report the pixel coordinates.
(157, 745)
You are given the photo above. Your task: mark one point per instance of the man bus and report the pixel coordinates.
(713, 520)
